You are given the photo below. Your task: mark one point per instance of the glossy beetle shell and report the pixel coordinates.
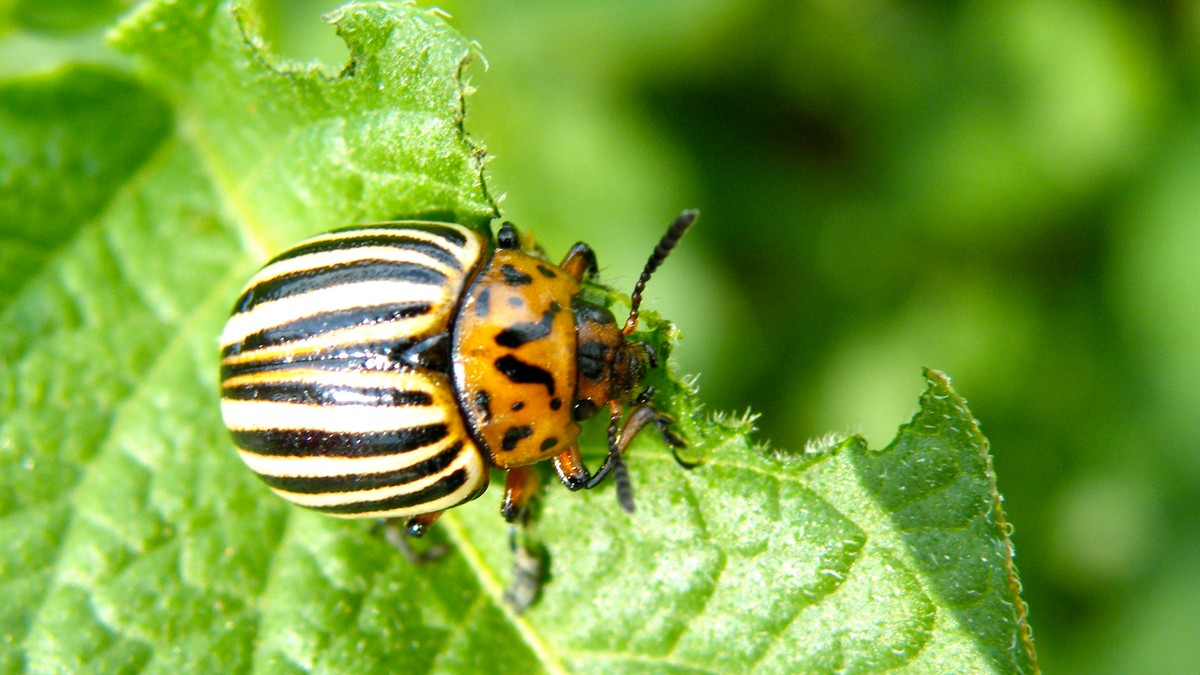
(316, 402)
(326, 406)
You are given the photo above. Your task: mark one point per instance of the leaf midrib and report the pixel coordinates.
(495, 590)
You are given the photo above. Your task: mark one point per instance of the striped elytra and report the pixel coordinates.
(383, 370)
(312, 393)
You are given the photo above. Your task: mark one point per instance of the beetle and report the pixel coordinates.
(381, 370)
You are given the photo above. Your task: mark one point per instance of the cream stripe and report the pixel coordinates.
(467, 459)
(400, 380)
(325, 467)
(335, 298)
(392, 228)
(466, 254)
(270, 415)
(315, 261)
(477, 477)
(401, 329)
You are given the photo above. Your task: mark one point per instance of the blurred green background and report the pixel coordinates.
(1006, 191)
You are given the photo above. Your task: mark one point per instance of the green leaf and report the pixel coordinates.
(59, 16)
(135, 206)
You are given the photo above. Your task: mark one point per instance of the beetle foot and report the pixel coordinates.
(529, 564)
(398, 537)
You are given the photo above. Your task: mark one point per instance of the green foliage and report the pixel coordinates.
(135, 205)
(58, 16)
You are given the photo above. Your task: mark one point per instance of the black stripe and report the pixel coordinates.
(333, 275)
(364, 481)
(318, 393)
(398, 240)
(520, 372)
(523, 332)
(445, 232)
(515, 435)
(316, 324)
(440, 489)
(313, 443)
(514, 276)
(337, 358)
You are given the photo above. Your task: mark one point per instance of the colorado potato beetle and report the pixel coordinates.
(380, 370)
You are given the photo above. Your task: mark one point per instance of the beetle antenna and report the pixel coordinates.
(624, 486)
(682, 222)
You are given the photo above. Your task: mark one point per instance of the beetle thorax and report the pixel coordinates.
(514, 344)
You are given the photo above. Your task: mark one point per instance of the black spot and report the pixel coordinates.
(515, 301)
(592, 370)
(521, 333)
(586, 312)
(555, 307)
(592, 358)
(514, 435)
(549, 443)
(593, 350)
(482, 303)
(514, 276)
(483, 403)
(519, 372)
(585, 409)
(518, 405)
(555, 403)
(546, 271)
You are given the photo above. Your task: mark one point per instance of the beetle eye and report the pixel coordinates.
(507, 236)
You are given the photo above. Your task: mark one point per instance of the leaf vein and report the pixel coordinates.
(491, 585)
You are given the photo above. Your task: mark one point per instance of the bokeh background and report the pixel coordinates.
(1006, 191)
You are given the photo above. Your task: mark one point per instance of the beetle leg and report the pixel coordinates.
(569, 463)
(528, 561)
(417, 526)
(570, 468)
(528, 567)
(638, 418)
(519, 485)
(575, 475)
(414, 527)
(645, 413)
(579, 262)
